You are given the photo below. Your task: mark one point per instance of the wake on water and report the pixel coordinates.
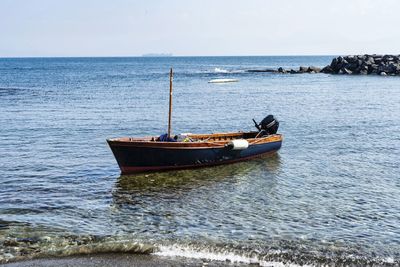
(221, 70)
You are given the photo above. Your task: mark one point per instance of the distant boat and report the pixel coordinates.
(184, 151)
(223, 81)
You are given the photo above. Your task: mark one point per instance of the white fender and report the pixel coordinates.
(238, 144)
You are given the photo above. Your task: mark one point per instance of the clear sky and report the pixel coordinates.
(198, 27)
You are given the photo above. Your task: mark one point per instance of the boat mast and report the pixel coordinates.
(171, 75)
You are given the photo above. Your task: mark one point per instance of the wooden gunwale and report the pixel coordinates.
(205, 141)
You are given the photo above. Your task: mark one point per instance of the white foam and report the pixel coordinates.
(389, 260)
(187, 252)
(220, 70)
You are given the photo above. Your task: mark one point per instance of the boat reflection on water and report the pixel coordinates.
(161, 206)
(185, 180)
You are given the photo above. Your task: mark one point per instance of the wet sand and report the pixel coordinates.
(118, 260)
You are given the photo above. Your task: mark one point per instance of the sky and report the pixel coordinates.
(46, 28)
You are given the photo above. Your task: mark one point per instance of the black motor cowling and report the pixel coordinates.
(270, 124)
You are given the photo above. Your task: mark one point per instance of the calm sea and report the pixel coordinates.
(330, 196)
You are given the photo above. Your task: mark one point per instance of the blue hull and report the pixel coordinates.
(132, 159)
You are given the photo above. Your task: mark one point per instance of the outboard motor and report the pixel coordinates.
(269, 124)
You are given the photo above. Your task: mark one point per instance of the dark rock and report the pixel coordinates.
(265, 70)
(357, 70)
(314, 69)
(376, 56)
(378, 60)
(327, 69)
(373, 66)
(336, 65)
(370, 61)
(303, 69)
(387, 68)
(383, 73)
(31, 240)
(334, 62)
(351, 59)
(363, 68)
(346, 71)
(387, 58)
(10, 243)
(394, 67)
(282, 70)
(351, 66)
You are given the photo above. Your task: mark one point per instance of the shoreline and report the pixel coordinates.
(119, 260)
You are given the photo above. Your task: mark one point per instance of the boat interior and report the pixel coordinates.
(266, 130)
(224, 136)
(214, 137)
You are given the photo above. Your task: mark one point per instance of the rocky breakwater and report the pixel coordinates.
(301, 69)
(365, 64)
(361, 64)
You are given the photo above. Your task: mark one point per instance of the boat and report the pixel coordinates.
(223, 81)
(183, 151)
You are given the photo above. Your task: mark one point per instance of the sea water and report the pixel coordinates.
(331, 195)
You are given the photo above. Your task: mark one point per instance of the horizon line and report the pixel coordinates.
(179, 56)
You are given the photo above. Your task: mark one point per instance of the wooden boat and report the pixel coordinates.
(148, 154)
(194, 150)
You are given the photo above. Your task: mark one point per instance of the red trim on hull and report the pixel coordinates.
(130, 170)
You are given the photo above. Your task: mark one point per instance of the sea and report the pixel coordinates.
(330, 196)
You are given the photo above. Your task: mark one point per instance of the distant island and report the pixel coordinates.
(157, 55)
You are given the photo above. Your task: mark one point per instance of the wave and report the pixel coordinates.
(272, 258)
(17, 249)
(9, 91)
(220, 70)
(222, 256)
